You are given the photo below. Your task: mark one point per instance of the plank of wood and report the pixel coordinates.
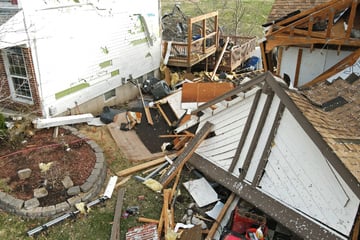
(215, 225)
(115, 229)
(165, 211)
(175, 135)
(122, 182)
(163, 114)
(148, 115)
(179, 144)
(356, 229)
(220, 57)
(148, 220)
(140, 167)
(186, 154)
(146, 108)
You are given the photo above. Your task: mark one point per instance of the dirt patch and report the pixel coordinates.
(67, 154)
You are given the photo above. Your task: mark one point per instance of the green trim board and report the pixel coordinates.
(139, 41)
(105, 64)
(71, 90)
(115, 73)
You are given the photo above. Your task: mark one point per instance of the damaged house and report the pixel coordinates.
(291, 148)
(61, 56)
(285, 141)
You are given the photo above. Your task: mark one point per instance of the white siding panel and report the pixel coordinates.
(228, 127)
(298, 174)
(250, 136)
(269, 122)
(71, 41)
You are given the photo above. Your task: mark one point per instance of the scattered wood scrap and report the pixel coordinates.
(115, 230)
(142, 166)
(146, 107)
(215, 225)
(186, 154)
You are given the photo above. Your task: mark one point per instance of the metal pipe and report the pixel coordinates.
(57, 220)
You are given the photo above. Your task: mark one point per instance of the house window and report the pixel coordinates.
(110, 94)
(16, 70)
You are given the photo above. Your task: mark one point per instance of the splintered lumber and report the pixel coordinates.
(221, 56)
(167, 193)
(122, 182)
(181, 143)
(148, 220)
(215, 225)
(163, 114)
(115, 230)
(186, 154)
(164, 218)
(356, 229)
(140, 167)
(175, 135)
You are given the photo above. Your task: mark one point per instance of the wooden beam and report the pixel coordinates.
(115, 229)
(352, 18)
(186, 154)
(175, 135)
(147, 220)
(166, 193)
(285, 40)
(163, 114)
(215, 225)
(181, 143)
(298, 66)
(140, 167)
(264, 156)
(356, 229)
(220, 58)
(257, 135)
(244, 134)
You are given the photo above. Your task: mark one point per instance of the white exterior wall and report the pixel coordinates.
(72, 42)
(313, 63)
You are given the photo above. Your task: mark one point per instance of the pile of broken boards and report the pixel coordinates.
(215, 212)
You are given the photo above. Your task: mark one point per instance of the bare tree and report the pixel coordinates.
(237, 15)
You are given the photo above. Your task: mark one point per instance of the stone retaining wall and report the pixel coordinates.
(88, 190)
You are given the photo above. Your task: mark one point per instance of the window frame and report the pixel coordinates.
(22, 93)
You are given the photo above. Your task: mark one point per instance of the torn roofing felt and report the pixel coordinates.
(271, 154)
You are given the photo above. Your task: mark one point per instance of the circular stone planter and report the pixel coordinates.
(86, 192)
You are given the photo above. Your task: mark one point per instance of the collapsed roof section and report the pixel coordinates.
(266, 150)
(335, 24)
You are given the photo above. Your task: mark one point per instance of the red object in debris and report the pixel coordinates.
(243, 221)
(231, 237)
(251, 234)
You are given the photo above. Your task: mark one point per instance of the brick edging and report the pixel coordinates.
(88, 190)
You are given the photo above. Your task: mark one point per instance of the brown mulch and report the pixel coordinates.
(69, 155)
